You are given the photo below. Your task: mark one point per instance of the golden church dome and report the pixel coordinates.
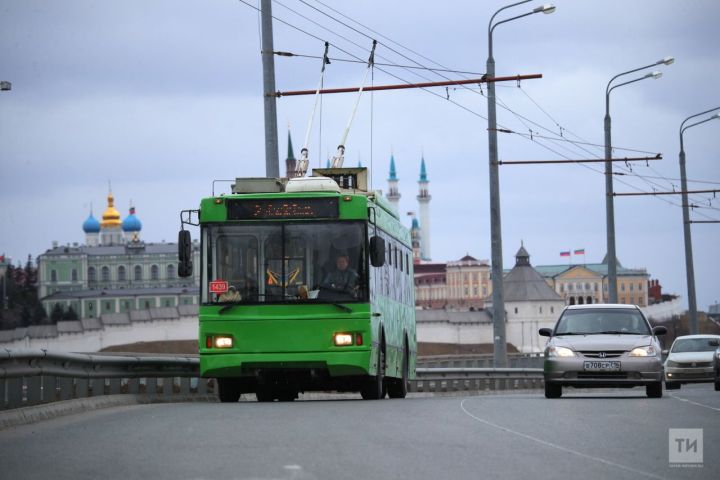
(111, 217)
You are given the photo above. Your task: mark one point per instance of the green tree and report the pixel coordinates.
(57, 313)
(38, 315)
(25, 316)
(70, 314)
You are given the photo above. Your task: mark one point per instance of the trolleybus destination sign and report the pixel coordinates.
(246, 209)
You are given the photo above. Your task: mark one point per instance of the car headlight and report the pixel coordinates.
(648, 351)
(560, 352)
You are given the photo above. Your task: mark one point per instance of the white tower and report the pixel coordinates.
(424, 201)
(393, 193)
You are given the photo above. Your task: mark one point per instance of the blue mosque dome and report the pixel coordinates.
(131, 222)
(91, 225)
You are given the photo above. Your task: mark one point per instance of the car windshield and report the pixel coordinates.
(596, 321)
(692, 345)
(284, 263)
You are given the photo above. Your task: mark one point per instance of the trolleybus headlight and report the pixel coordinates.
(223, 341)
(343, 339)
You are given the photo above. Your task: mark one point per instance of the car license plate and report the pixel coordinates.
(604, 366)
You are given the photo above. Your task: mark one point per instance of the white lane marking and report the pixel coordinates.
(694, 403)
(558, 447)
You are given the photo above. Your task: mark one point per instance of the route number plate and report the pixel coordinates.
(603, 366)
(218, 286)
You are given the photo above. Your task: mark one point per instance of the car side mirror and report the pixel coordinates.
(660, 330)
(665, 353)
(714, 342)
(185, 264)
(545, 332)
(377, 251)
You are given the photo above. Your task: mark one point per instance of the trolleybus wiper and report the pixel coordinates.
(227, 307)
(342, 307)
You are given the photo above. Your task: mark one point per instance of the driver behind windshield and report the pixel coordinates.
(342, 278)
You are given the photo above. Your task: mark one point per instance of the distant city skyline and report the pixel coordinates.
(164, 97)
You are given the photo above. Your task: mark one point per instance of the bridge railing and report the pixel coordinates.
(515, 360)
(455, 379)
(32, 377)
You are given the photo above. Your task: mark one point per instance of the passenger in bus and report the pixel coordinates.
(232, 295)
(342, 278)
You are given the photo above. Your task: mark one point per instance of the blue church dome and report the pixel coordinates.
(91, 225)
(131, 222)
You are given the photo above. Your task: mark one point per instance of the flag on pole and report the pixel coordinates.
(565, 253)
(580, 251)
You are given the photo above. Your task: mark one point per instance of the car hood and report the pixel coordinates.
(691, 356)
(603, 342)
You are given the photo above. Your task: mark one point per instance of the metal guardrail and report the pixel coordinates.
(32, 377)
(476, 379)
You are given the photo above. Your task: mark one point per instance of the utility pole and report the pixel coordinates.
(499, 338)
(272, 162)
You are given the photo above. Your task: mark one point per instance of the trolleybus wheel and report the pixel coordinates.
(286, 395)
(398, 387)
(374, 388)
(264, 394)
(228, 389)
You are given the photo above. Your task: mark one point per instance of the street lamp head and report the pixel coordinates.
(547, 8)
(5, 86)
(666, 61)
(654, 75)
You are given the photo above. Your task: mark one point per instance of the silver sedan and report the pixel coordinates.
(602, 345)
(690, 360)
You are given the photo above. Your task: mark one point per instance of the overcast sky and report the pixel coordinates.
(162, 97)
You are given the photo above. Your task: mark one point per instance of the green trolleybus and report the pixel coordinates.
(306, 284)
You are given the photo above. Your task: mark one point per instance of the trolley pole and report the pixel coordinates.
(272, 163)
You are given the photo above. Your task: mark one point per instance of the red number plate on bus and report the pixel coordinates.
(218, 286)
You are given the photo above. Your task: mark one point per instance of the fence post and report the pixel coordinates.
(33, 391)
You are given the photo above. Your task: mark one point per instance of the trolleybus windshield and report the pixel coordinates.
(303, 262)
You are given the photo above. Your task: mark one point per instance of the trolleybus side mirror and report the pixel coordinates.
(377, 251)
(185, 266)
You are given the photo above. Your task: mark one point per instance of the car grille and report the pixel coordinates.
(599, 354)
(694, 364)
(692, 376)
(613, 375)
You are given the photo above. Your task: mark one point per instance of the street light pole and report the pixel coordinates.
(272, 165)
(689, 266)
(609, 200)
(499, 342)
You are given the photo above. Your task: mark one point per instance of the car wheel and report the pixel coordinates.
(654, 390)
(228, 389)
(672, 386)
(374, 388)
(553, 390)
(717, 386)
